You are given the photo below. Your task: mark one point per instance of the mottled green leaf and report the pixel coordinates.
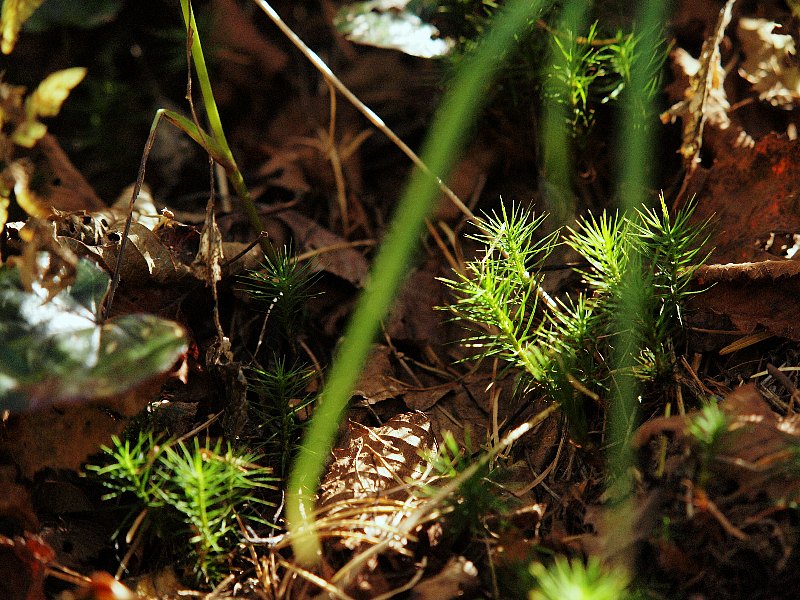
(57, 350)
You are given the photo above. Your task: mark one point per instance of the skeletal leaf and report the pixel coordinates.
(14, 14)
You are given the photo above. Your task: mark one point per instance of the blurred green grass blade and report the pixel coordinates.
(202, 76)
(636, 145)
(442, 146)
(555, 139)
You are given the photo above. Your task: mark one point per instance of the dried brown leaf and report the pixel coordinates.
(377, 382)
(341, 260)
(378, 459)
(770, 62)
(707, 80)
(749, 193)
(763, 295)
(63, 437)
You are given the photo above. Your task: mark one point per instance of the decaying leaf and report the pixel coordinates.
(377, 460)
(770, 62)
(64, 437)
(64, 187)
(757, 296)
(156, 254)
(23, 567)
(377, 382)
(749, 193)
(336, 256)
(706, 82)
(370, 481)
(74, 380)
(147, 260)
(206, 265)
(14, 14)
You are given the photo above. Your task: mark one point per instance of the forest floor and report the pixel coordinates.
(706, 518)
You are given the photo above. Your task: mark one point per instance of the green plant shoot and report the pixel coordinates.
(215, 144)
(448, 132)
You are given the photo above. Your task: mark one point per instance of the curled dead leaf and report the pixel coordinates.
(770, 62)
(705, 83)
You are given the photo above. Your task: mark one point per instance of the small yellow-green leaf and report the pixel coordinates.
(3, 213)
(14, 14)
(20, 172)
(46, 101)
(28, 133)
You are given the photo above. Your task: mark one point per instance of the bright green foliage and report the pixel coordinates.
(659, 254)
(674, 247)
(575, 69)
(474, 500)
(282, 396)
(567, 348)
(589, 68)
(588, 72)
(574, 580)
(601, 241)
(201, 487)
(465, 95)
(131, 469)
(708, 428)
(499, 292)
(281, 288)
(208, 486)
(626, 56)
